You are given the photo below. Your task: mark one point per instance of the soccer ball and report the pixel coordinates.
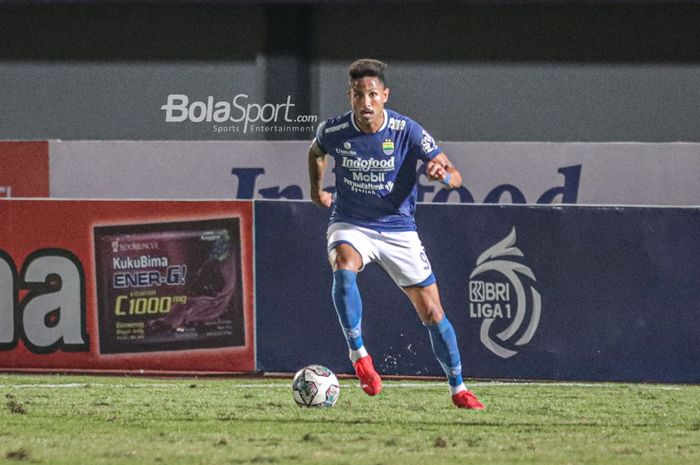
(315, 386)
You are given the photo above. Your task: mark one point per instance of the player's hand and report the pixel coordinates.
(435, 171)
(322, 198)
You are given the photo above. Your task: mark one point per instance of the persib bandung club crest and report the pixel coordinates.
(388, 147)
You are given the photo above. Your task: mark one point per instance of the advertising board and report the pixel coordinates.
(126, 286)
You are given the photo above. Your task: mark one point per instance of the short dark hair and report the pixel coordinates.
(367, 67)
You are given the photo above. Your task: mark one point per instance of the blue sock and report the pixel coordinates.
(348, 305)
(444, 342)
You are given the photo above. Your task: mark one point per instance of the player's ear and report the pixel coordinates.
(385, 97)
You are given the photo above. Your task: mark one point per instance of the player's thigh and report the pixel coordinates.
(403, 257)
(348, 247)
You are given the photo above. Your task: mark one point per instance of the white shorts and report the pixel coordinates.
(401, 253)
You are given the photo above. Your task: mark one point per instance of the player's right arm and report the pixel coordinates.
(318, 160)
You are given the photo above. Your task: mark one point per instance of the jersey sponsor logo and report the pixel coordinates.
(388, 147)
(491, 298)
(427, 143)
(358, 164)
(346, 150)
(368, 177)
(362, 187)
(397, 124)
(335, 128)
(346, 153)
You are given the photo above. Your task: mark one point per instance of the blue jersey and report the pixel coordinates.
(376, 173)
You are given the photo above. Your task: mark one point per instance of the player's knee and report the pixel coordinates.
(341, 263)
(432, 314)
(342, 259)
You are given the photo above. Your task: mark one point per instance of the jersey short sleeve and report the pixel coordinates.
(422, 142)
(319, 136)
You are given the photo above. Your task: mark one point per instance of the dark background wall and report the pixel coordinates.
(545, 71)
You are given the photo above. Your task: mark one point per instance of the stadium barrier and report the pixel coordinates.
(534, 292)
(138, 286)
(24, 169)
(600, 293)
(494, 172)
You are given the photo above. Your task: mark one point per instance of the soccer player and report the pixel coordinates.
(376, 152)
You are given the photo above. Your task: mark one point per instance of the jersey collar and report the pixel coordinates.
(384, 123)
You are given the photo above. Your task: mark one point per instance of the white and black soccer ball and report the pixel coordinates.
(315, 386)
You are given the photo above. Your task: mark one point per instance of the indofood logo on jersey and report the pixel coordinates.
(508, 307)
(372, 164)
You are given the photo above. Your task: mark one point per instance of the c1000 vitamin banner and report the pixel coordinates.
(169, 286)
(147, 286)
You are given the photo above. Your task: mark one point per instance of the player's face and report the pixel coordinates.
(367, 98)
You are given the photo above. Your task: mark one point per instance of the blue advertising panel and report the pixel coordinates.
(534, 292)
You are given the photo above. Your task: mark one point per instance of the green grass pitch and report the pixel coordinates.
(130, 420)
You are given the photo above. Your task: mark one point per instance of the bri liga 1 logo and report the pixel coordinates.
(509, 308)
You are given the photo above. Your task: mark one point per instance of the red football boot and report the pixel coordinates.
(370, 381)
(465, 399)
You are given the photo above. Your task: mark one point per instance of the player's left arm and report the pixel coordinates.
(440, 168)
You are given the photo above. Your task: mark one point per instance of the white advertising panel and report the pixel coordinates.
(493, 172)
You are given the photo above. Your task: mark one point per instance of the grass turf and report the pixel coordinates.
(119, 420)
